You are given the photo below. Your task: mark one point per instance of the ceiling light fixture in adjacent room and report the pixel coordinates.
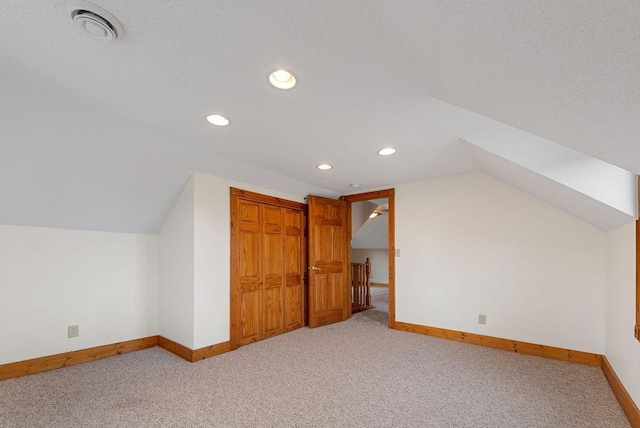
(217, 120)
(93, 19)
(324, 166)
(386, 151)
(282, 79)
(374, 214)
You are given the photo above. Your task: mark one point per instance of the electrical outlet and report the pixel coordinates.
(397, 252)
(482, 319)
(73, 331)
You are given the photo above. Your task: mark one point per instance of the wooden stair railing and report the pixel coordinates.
(360, 286)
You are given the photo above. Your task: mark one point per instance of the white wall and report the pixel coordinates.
(379, 263)
(621, 348)
(471, 244)
(177, 271)
(212, 260)
(51, 278)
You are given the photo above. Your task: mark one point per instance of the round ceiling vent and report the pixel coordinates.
(93, 19)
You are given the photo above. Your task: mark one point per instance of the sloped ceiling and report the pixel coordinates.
(554, 193)
(65, 166)
(87, 126)
(374, 234)
(360, 212)
(590, 189)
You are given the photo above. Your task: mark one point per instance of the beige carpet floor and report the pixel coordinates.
(380, 302)
(353, 374)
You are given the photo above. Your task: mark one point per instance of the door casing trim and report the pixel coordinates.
(390, 195)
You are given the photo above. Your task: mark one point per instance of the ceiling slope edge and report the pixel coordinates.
(374, 234)
(360, 212)
(554, 192)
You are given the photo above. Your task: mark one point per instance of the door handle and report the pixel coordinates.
(314, 268)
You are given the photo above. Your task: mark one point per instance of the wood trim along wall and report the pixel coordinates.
(266, 199)
(51, 362)
(66, 359)
(346, 236)
(233, 274)
(625, 400)
(193, 355)
(379, 284)
(305, 271)
(552, 352)
(175, 348)
(390, 195)
(211, 351)
(360, 197)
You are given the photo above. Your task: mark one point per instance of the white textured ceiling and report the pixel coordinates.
(567, 71)
(372, 73)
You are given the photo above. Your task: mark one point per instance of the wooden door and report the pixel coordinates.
(273, 265)
(294, 274)
(268, 266)
(250, 322)
(329, 299)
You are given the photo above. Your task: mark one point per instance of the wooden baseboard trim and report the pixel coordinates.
(625, 400)
(562, 354)
(51, 362)
(379, 284)
(175, 348)
(193, 355)
(66, 359)
(211, 351)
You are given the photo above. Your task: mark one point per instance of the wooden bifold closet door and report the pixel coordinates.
(267, 268)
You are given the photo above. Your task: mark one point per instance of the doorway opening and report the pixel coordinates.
(372, 225)
(370, 259)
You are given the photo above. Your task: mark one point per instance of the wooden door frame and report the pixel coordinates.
(390, 195)
(236, 194)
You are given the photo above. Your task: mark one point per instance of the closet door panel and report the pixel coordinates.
(293, 292)
(273, 267)
(250, 273)
(250, 317)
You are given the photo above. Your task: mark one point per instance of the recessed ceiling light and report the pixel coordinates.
(355, 185)
(217, 120)
(324, 166)
(386, 151)
(282, 79)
